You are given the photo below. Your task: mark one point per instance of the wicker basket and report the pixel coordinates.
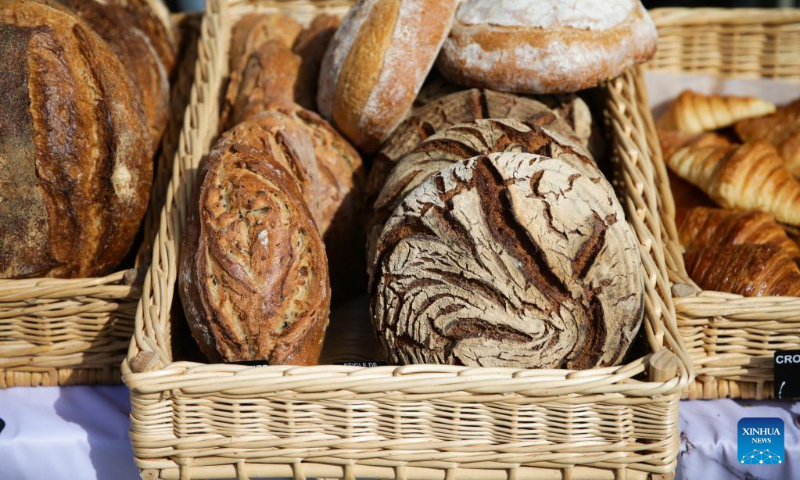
(77, 331)
(193, 420)
(731, 339)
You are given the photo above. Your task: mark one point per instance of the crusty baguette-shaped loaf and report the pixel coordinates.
(749, 177)
(311, 45)
(276, 71)
(330, 175)
(117, 27)
(781, 129)
(750, 270)
(464, 141)
(249, 34)
(449, 110)
(377, 63)
(508, 260)
(694, 112)
(545, 46)
(75, 165)
(716, 227)
(253, 273)
(272, 72)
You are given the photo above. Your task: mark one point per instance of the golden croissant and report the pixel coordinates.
(748, 176)
(750, 270)
(702, 227)
(694, 112)
(781, 129)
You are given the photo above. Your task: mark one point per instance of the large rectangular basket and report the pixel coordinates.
(731, 339)
(77, 331)
(193, 420)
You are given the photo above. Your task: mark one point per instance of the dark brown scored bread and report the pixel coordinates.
(508, 260)
(75, 165)
(466, 140)
(444, 112)
(253, 273)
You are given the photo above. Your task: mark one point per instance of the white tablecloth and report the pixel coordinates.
(81, 433)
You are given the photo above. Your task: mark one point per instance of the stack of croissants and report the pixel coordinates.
(438, 146)
(736, 183)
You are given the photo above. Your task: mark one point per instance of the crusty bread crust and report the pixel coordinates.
(253, 273)
(74, 135)
(376, 64)
(557, 58)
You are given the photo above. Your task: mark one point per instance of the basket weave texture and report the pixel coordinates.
(77, 331)
(730, 338)
(193, 420)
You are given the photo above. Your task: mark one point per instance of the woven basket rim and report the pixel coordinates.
(710, 16)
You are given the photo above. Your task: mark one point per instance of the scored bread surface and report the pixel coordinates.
(254, 278)
(75, 168)
(508, 260)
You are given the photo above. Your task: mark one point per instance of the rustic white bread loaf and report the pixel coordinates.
(376, 64)
(545, 46)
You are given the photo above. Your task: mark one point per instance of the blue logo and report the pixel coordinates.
(760, 441)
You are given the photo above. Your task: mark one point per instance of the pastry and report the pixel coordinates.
(748, 176)
(694, 112)
(508, 260)
(253, 273)
(750, 270)
(377, 63)
(546, 46)
(716, 227)
(781, 129)
(74, 178)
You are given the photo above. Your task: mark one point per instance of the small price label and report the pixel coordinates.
(786, 378)
(364, 364)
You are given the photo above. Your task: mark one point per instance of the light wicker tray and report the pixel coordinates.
(731, 339)
(194, 420)
(77, 331)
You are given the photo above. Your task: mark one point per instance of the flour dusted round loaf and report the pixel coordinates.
(376, 64)
(543, 134)
(75, 165)
(329, 173)
(253, 274)
(508, 260)
(545, 46)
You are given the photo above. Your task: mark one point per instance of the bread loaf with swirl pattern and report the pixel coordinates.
(253, 273)
(508, 260)
(539, 135)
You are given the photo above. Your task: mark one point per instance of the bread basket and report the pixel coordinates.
(194, 420)
(730, 338)
(77, 331)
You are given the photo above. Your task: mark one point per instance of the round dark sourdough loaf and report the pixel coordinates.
(543, 134)
(508, 260)
(444, 112)
(253, 273)
(75, 165)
